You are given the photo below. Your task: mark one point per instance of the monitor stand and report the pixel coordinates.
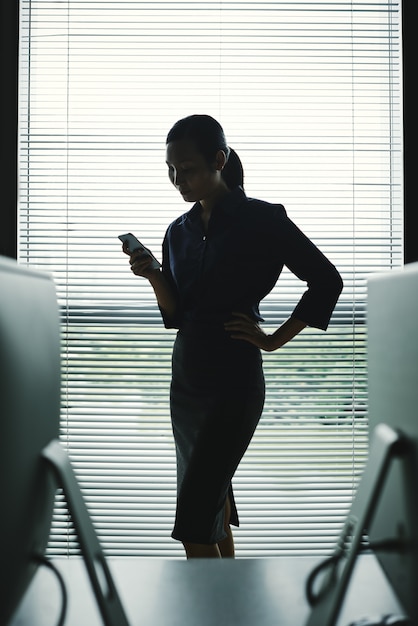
(101, 579)
(386, 444)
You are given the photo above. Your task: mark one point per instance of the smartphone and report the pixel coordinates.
(134, 244)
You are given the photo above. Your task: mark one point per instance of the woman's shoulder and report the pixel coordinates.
(263, 209)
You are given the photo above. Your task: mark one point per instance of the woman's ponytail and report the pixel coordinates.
(233, 172)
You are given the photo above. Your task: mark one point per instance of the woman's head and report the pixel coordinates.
(208, 137)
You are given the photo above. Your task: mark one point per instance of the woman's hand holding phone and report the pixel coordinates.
(141, 258)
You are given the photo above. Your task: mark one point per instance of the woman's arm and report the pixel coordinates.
(310, 265)
(165, 298)
(141, 266)
(315, 306)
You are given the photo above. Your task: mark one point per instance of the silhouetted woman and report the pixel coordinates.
(219, 260)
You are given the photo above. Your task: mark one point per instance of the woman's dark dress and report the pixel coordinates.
(217, 388)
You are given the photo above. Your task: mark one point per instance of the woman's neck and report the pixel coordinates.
(209, 203)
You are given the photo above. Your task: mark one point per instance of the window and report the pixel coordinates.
(309, 95)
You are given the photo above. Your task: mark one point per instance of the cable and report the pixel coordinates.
(331, 561)
(42, 560)
(385, 545)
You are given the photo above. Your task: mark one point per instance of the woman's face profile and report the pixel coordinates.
(189, 171)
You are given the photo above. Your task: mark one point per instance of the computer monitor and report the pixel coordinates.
(33, 463)
(29, 420)
(384, 513)
(392, 346)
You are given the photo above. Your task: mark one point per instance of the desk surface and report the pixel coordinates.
(202, 592)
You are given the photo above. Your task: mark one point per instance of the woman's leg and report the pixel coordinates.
(201, 550)
(223, 549)
(226, 546)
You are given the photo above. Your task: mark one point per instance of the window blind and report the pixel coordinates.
(309, 95)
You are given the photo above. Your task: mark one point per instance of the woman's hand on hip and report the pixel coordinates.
(242, 326)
